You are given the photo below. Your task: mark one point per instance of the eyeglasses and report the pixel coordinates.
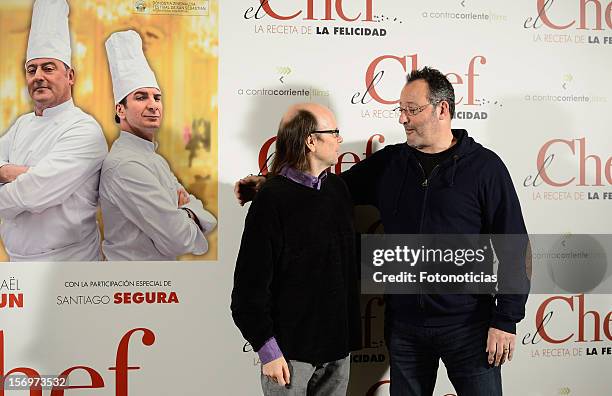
(334, 132)
(412, 111)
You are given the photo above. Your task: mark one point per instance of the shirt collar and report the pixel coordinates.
(137, 142)
(303, 178)
(50, 112)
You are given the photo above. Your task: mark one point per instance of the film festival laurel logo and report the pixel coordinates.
(570, 170)
(140, 5)
(589, 22)
(332, 18)
(171, 7)
(377, 103)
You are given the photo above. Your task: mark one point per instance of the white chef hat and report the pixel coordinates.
(128, 66)
(49, 33)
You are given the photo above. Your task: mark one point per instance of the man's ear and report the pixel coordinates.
(71, 76)
(120, 110)
(444, 110)
(310, 142)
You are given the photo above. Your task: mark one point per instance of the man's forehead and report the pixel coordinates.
(414, 92)
(146, 91)
(320, 112)
(43, 61)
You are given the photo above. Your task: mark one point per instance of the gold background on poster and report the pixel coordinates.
(183, 52)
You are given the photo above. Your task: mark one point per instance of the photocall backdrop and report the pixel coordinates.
(532, 82)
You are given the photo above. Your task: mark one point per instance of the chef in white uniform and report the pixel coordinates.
(147, 213)
(50, 159)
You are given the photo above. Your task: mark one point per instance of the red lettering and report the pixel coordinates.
(542, 7)
(265, 4)
(310, 12)
(121, 362)
(369, 77)
(35, 390)
(340, 12)
(328, 11)
(583, 4)
(581, 316)
(11, 300)
(583, 158)
(540, 318)
(607, 322)
(147, 297)
(121, 369)
(458, 81)
(96, 380)
(471, 75)
(542, 157)
(31, 373)
(338, 167)
(370, 144)
(173, 298)
(264, 158)
(377, 385)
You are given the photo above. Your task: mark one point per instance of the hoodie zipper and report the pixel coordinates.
(425, 184)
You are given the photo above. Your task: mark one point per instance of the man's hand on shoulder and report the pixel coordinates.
(183, 197)
(500, 346)
(277, 370)
(9, 172)
(246, 188)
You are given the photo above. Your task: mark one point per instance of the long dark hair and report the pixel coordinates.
(291, 147)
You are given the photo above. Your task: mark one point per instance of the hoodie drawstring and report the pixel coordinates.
(452, 178)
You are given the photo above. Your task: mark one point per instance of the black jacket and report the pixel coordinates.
(296, 275)
(469, 193)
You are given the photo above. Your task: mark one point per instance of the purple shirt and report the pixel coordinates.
(303, 178)
(270, 350)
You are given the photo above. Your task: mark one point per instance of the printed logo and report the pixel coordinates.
(553, 25)
(590, 335)
(463, 14)
(331, 18)
(382, 98)
(561, 165)
(140, 5)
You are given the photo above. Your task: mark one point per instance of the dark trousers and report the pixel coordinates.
(415, 352)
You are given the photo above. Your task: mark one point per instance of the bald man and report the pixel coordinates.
(295, 296)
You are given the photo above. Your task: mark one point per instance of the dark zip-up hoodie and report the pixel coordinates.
(470, 192)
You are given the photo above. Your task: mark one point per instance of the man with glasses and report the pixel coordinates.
(295, 296)
(441, 182)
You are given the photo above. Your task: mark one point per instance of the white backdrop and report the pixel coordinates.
(523, 90)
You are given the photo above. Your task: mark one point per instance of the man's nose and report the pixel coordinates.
(38, 75)
(153, 105)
